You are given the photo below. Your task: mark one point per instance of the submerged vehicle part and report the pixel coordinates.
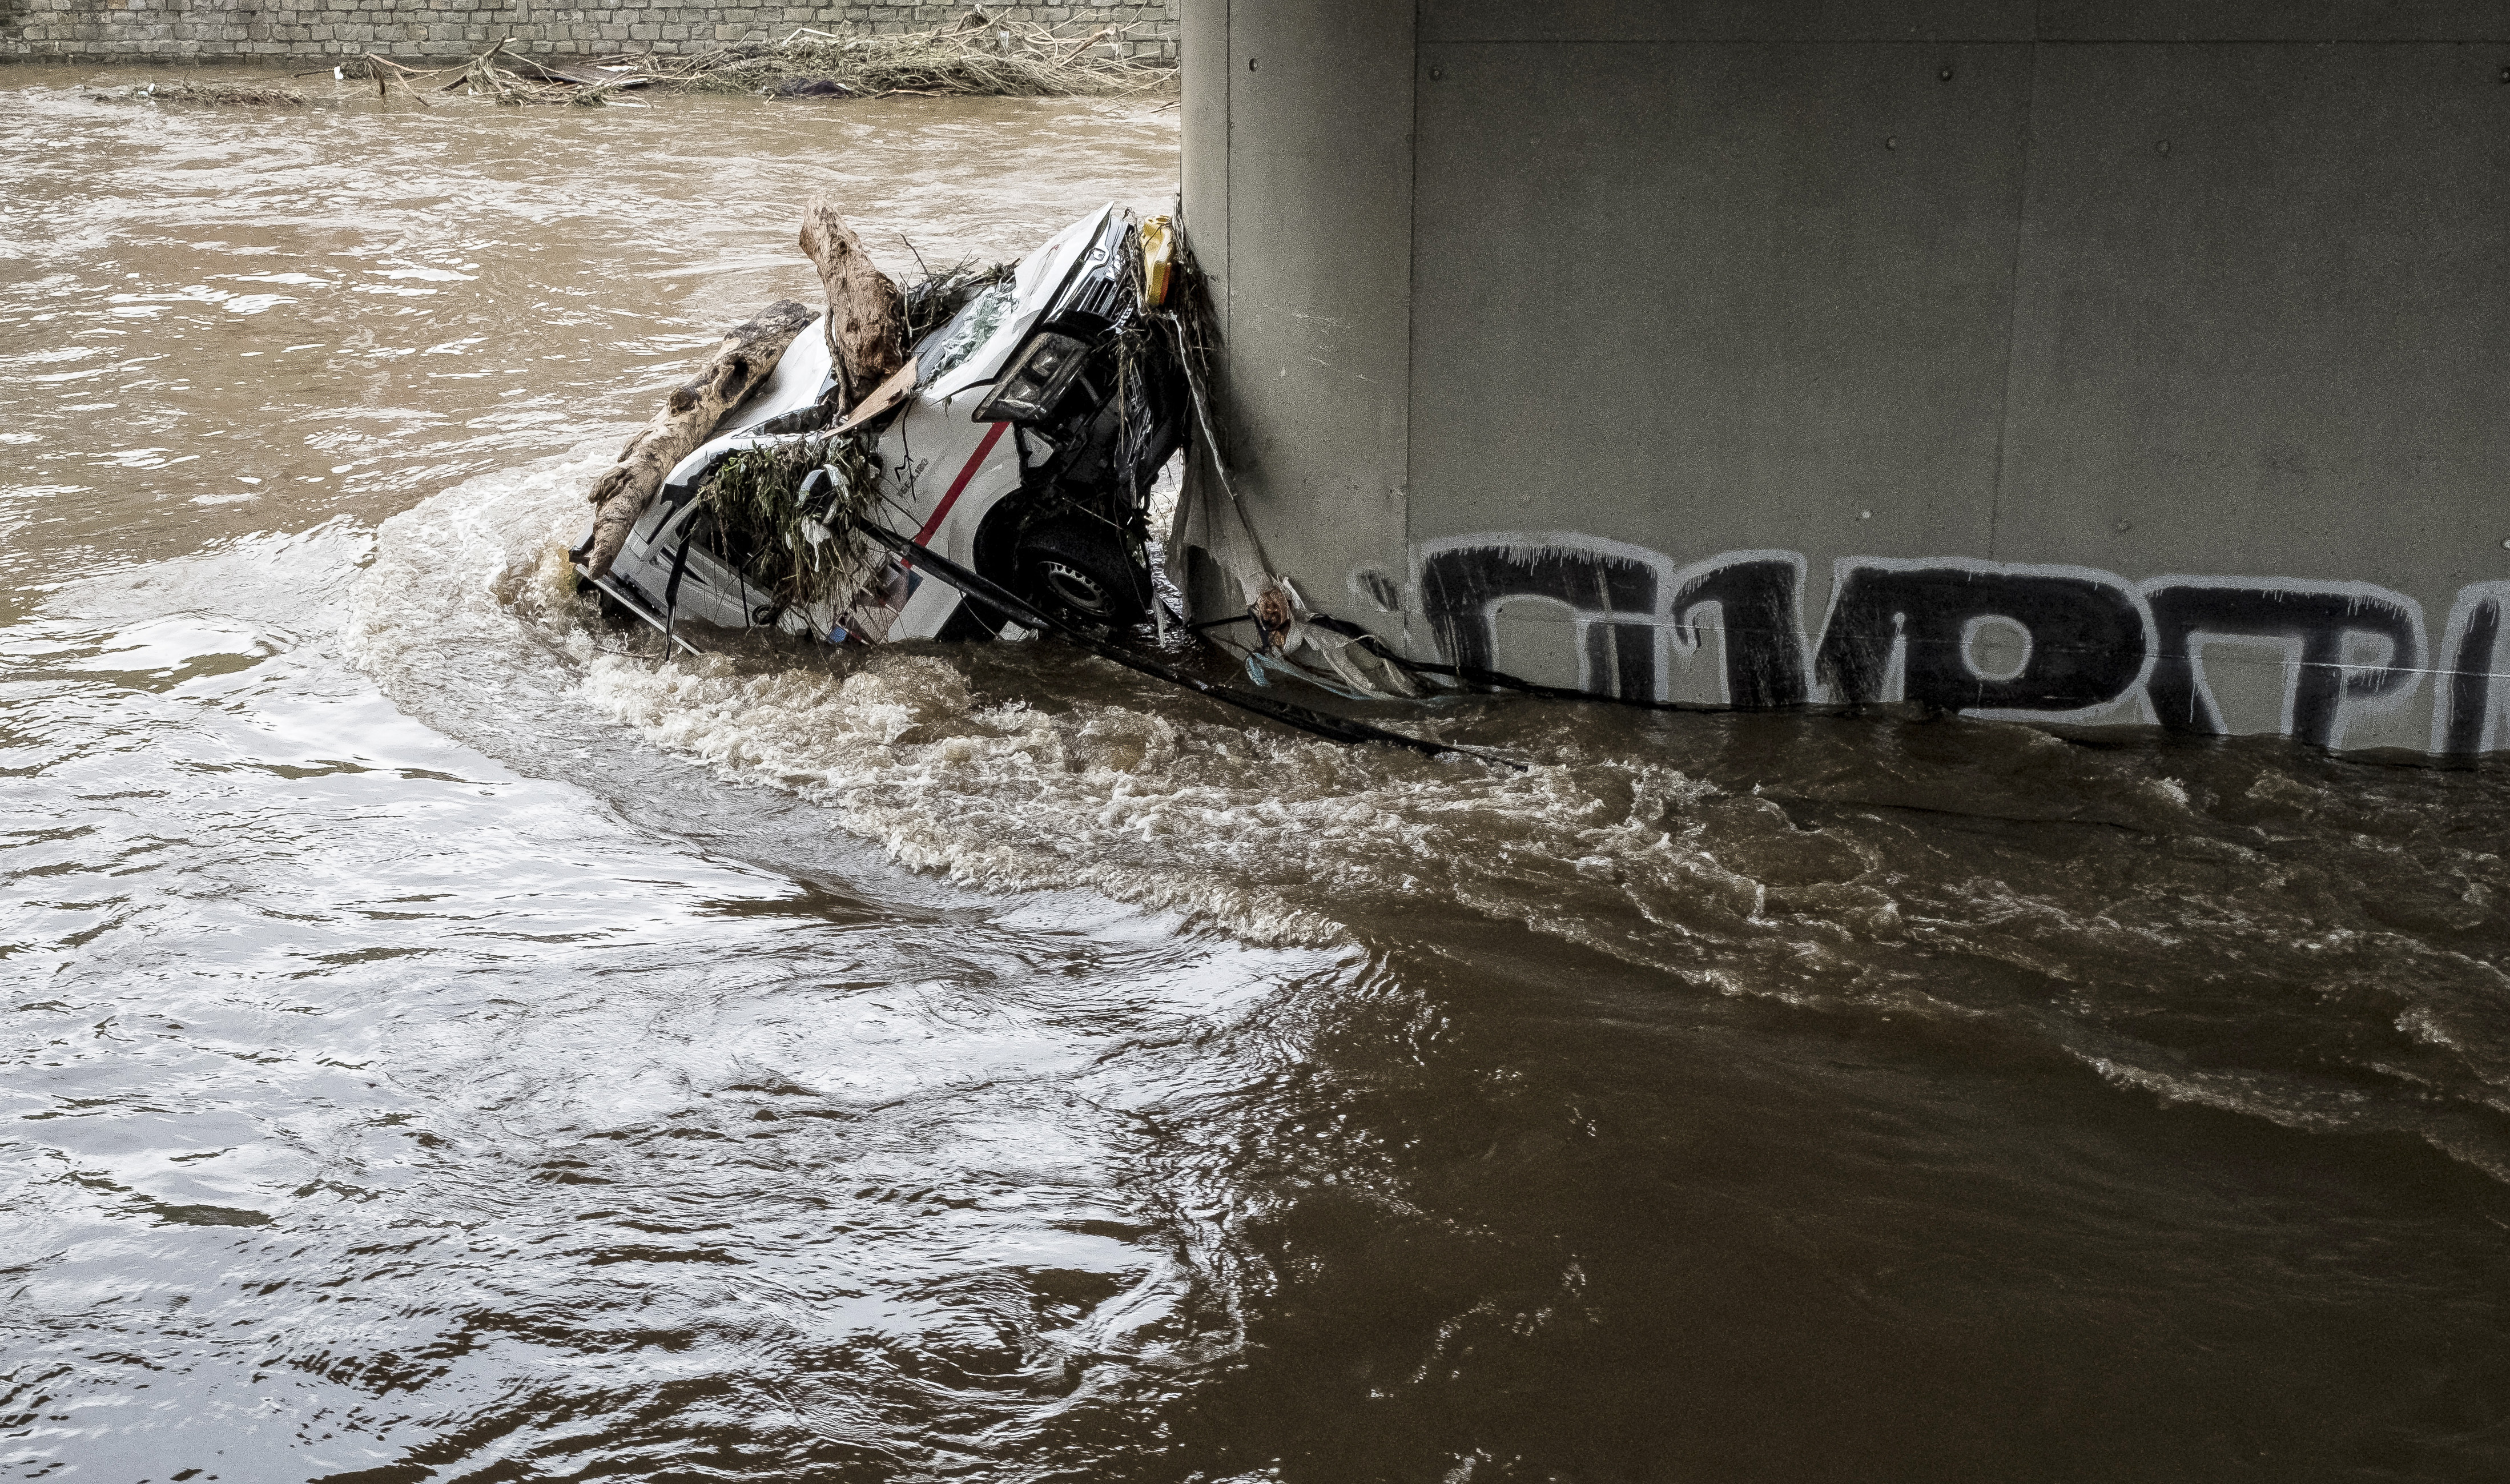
(1036, 418)
(1341, 729)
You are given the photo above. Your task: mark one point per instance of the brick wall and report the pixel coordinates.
(230, 31)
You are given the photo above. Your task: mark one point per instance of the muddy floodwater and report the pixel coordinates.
(441, 1041)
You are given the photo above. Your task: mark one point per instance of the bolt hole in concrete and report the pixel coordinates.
(444, 1039)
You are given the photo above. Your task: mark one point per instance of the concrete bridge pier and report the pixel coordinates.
(2098, 361)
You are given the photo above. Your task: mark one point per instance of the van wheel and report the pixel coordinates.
(1080, 570)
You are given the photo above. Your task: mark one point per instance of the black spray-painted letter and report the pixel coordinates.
(1904, 631)
(2309, 621)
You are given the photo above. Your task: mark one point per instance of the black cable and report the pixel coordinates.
(1497, 680)
(671, 592)
(1020, 610)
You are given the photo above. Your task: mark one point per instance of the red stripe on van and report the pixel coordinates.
(941, 512)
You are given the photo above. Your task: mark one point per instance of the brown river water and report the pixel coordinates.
(439, 1042)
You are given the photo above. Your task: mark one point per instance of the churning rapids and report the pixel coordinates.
(444, 1043)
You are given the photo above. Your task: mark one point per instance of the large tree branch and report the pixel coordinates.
(866, 314)
(746, 353)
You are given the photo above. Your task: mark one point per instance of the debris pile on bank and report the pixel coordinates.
(230, 95)
(511, 78)
(977, 57)
(506, 75)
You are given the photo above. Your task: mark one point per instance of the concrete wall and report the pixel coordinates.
(1317, 311)
(227, 31)
(2109, 361)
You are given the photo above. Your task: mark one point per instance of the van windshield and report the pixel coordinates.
(967, 330)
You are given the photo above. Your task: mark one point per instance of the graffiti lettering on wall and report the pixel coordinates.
(1984, 638)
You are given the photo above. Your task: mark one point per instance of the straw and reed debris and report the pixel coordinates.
(500, 73)
(226, 95)
(792, 556)
(511, 78)
(977, 56)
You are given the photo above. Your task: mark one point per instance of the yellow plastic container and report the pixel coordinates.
(1159, 256)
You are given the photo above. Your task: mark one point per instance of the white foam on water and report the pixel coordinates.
(1274, 835)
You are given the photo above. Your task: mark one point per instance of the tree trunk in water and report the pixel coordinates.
(866, 314)
(749, 352)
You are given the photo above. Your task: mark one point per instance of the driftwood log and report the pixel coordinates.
(866, 314)
(748, 353)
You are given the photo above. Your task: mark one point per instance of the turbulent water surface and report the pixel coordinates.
(442, 1042)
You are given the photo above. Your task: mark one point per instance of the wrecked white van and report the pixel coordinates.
(1020, 441)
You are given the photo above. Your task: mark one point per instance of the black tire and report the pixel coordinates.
(1080, 570)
